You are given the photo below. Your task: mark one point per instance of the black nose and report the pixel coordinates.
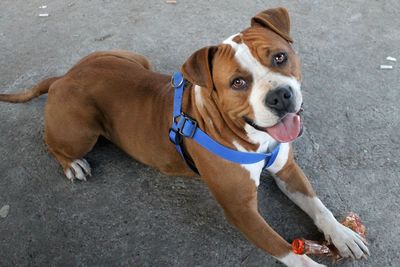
(281, 100)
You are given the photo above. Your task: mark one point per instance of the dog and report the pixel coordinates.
(245, 94)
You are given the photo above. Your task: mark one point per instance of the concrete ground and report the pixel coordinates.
(130, 215)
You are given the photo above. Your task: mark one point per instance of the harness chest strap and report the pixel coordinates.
(184, 126)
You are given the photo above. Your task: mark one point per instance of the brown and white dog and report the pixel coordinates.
(244, 93)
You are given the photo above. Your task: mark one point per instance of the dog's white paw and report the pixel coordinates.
(294, 260)
(78, 169)
(348, 242)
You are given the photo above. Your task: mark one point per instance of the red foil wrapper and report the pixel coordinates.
(303, 246)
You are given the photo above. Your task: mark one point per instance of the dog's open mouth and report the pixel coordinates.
(286, 130)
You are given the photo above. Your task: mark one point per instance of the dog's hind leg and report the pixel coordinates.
(71, 128)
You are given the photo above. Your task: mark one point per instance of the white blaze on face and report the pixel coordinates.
(264, 80)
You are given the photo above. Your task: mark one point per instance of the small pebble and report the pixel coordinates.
(4, 211)
(316, 146)
(102, 38)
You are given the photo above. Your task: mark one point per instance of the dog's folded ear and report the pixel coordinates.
(275, 19)
(198, 68)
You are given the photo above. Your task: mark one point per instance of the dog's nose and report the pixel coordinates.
(281, 99)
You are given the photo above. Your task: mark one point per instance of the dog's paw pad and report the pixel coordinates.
(78, 169)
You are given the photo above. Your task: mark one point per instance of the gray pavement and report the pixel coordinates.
(130, 215)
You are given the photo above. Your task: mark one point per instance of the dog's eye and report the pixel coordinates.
(238, 84)
(279, 58)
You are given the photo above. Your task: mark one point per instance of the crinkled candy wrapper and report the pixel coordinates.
(353, 221)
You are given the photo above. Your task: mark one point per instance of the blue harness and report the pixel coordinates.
(185, 126)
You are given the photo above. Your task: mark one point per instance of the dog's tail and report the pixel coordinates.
(39, 89)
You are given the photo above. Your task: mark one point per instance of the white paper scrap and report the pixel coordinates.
(386, 67)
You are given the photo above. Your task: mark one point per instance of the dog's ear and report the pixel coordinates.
(275, 19)
(198, 68)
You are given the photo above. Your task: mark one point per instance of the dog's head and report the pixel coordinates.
(254, 75)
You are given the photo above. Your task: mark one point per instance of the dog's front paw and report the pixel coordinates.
(348, 242)
(78, 169)
(294, 260)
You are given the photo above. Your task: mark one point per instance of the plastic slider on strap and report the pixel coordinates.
(186, 126)
(175, 137)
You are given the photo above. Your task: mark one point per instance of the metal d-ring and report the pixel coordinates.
(173, 82)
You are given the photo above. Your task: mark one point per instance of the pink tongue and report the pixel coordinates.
(287, 129)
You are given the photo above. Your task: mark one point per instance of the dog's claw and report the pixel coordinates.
(85, 166)
(79, 169)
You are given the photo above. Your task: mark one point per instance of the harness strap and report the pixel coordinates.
(185, 126)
